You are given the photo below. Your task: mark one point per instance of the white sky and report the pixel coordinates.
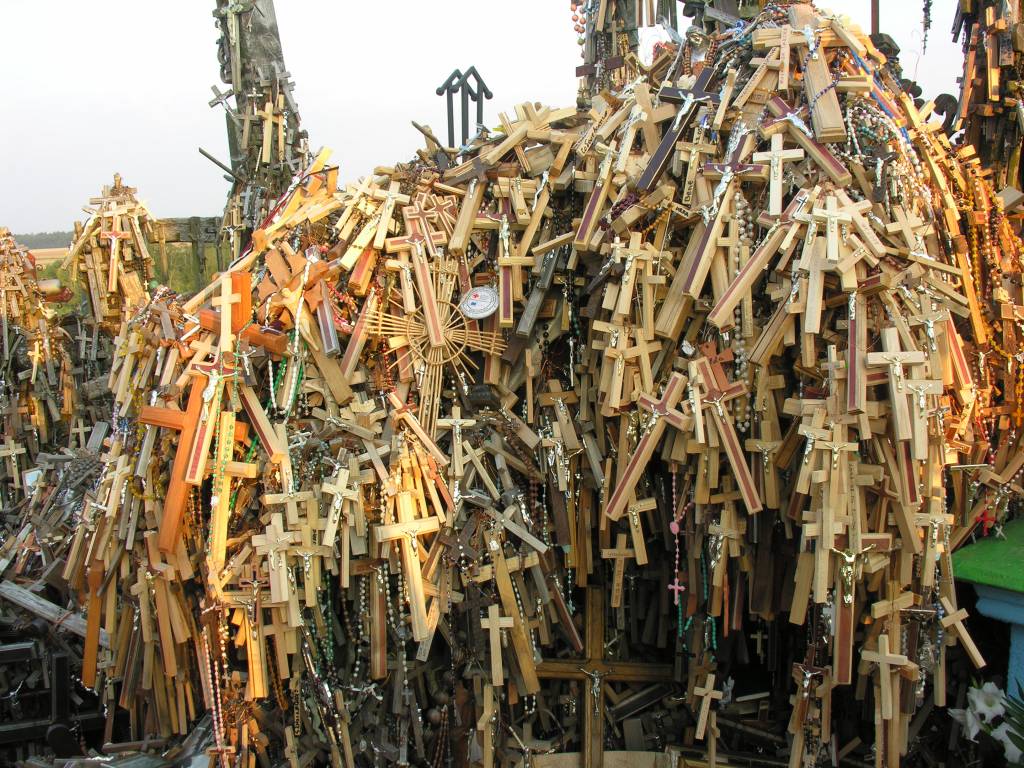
(123, 85)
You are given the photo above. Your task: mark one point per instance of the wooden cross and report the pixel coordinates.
(707, 694)
(848, 563)
(78, 430)
(895, 359)
(275, 543)
(456, 423)
(663, 413)
(636, 528)
(557, 399)
(406, 531)
(769, 472)
(776, 157)
(885, 661)
(594, 672)
(495, 623)
(789, 120)
(213, 374)
(177, 490)
(832, 217)
(691, 100)
(595, 203)
(954, 621)
(224, 303)
(10, 451)
(716, 394)
(619, 553)
(290, 500)
(692, 151)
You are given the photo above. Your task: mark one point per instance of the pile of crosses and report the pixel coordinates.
(48, 465)
(991, 109)
(110, 255)
(38, 400)
(588, 442)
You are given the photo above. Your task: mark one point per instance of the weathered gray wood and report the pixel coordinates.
(44, 609)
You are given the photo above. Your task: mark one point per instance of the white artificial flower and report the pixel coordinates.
(969, 719)
(1002, 733)
(987, 701)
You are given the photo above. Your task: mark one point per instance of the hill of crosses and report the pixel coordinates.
(640, 433)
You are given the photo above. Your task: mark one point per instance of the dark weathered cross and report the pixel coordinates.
(690, 100)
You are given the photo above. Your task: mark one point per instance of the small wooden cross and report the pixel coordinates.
(10, 451)
(275, 543)
(495, 623)
(619, 553)
(954, 621)
(290, 500)
(224, 303)
(885, 661)
(706, 693)
(456, 423)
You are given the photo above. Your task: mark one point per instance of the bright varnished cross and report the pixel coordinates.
(775, 158)
(831, 216)
(224, 303)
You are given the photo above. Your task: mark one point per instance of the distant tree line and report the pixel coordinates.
(45, 239)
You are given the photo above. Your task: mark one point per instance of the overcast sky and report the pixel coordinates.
(122, 85)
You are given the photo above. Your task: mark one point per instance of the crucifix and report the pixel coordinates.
(406, 531)
(790, 121)
(185, 422)
(275, 542)
(214, 374)
(775, 158)
(595, 203)
(848, 564)
(715, 396)
(595, 672)
(895, 359)
(694, 270)
(690, 101)
(663, 413)
(832, 217)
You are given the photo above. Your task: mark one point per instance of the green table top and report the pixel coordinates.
(993, 560)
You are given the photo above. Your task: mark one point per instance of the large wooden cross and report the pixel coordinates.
(595, 672)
